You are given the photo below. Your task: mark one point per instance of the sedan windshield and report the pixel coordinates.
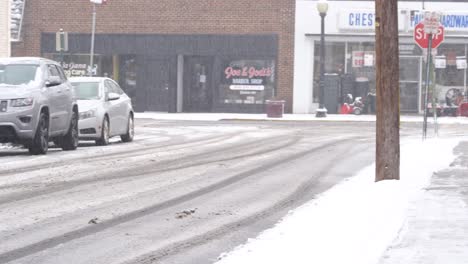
(17, 74)
(87, 90)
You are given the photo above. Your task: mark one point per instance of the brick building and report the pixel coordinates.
(174, 55)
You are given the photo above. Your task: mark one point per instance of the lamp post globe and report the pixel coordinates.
(322, 8)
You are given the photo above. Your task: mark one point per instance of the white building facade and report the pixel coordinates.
(350, 53)
(4, 28)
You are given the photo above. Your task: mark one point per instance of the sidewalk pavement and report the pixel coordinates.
(289, 117)
(436, 228)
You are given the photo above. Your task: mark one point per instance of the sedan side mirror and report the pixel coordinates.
(113, 96)
(53, 81)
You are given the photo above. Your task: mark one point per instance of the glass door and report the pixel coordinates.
(156, 96)
(410, 83)
(197, 84)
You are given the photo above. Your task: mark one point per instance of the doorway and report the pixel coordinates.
(198, 92)
(156, 83)
(410, 83)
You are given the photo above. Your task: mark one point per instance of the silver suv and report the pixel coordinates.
(37, 105)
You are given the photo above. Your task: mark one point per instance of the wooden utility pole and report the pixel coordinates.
(388, 92)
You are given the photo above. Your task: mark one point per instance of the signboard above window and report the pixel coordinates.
(452, 21)
(362, 20)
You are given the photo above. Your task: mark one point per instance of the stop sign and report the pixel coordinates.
(422, 39)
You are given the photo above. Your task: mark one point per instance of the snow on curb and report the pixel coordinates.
(287, 117)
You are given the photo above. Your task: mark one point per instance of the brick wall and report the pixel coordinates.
(169, 17)
(4, 29)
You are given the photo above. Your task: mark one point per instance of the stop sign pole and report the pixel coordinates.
(431, 25)
(428, 64)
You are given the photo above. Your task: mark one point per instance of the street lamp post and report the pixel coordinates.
(93, 30)
(61, 45)
(322, 7)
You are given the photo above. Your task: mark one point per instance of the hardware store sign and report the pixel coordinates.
(452, 21)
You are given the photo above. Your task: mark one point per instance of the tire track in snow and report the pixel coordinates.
(141, 151)
(293, 199)
(177, 163)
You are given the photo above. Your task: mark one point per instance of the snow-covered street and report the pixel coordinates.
(188, 191)
(180, 191)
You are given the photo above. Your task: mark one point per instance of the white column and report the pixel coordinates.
(180, 83)
(303, 76)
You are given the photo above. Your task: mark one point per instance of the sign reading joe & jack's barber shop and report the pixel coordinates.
(248, 81)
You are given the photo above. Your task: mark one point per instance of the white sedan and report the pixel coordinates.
(105, 110)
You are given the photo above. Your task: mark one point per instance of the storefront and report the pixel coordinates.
(177, 73)
(174, 56)
(350, 52)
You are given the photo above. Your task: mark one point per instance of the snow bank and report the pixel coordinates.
(353, 222)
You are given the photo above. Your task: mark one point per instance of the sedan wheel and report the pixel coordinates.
(128, 137)
(104, 140)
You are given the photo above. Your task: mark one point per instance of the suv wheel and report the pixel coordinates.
(128, 137)
(70, 140)
(104, 140)
(40, 142)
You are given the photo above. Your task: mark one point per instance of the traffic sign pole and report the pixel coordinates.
(434, 103)
(428, 63)
(429, 34)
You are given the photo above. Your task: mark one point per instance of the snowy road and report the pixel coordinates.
(182, 192)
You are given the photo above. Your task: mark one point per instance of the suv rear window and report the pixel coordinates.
(17, 74)
(86, 90)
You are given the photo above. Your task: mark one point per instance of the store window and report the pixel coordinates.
(246, 82)
(76, 65)
(334, 62)
(355, 63)
(360, 59)
(449, 69)
(450, 65)
(121, 68)
(356, 60)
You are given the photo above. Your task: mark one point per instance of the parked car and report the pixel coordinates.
(105, 110)
(36, 105)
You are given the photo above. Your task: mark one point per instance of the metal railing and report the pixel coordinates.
(17, 15)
